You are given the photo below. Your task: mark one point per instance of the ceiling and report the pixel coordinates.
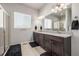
(36, 6)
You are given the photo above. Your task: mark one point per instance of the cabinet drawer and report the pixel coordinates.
(41, 42)
(59, 39)
(57, 43)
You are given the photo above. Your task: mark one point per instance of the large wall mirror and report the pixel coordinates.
(59, 21)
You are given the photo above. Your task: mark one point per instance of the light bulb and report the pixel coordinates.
(56, 7)
(62, 5)
(59, 9)
(65, 7)
(55, 11)
(41, 17)
(52, 10)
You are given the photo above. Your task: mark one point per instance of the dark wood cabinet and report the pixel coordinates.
(47, 45)
(57, 48)
(40, 37)
(54, 45)
(35, 36)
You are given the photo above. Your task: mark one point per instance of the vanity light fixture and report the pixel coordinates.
(56, 7)
(54, 11)
(59, 8)
(62, 5)
(40, 17)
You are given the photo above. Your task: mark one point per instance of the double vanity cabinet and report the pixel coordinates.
(54, 45)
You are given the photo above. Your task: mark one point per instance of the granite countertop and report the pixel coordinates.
(64, 35)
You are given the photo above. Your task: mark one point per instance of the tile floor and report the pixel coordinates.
(27, 50)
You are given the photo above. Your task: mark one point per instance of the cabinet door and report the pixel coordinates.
(34, 36)
(41, 42)
(57, 48)
(36, 39)
(47, 45)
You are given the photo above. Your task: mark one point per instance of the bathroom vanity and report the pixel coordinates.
(53, 37)
(54, 43)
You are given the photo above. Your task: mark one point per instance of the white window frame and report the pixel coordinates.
(25, 25)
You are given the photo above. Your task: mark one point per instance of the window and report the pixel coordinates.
(47, 23)
(22, 20)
